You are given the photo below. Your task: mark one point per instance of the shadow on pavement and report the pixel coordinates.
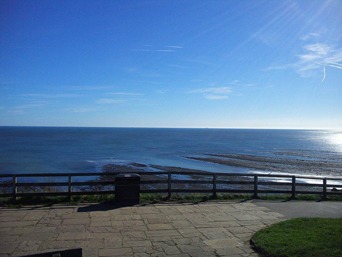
(103, 207)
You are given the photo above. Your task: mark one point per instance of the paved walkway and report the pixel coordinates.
(297, 209)
(204, 229)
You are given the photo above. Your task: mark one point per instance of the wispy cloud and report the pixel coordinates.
(165, 49)
(144, 81)
(214, 90)
(108, 101)
(213, 93)
(17, 111)
(234, 82)
(279, 67)
(178, 47)
(202, 60)
(215, 97)
(177, 66)
(143, 50)
(27, 106)
(318, 56)
(81, 110)
(52, 95)
(311, 35)
(315, 35)
(156, 50)
(160, 91)
(125, 93)
(89, 88)
(315, 57)
(20, 109)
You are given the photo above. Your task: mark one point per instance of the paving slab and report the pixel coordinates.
(298, 209)
(172, 229)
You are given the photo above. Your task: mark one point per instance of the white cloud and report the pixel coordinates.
(215, 97)
(213, 93)
(108, 101)
(310, 36)
(317, 56)
(165, 50)
(233, 82)
(320, 49)
(82, 110)
(177, 66)
(27, 106)
(280, 67)
(313, 59)
(17, 112)
(142, 50)
(88, 88)
(52, 95)
(149, 48)
(125, 93)
(178, 47)
(160, 91)
(130, 69)
(214, 90)
(20, 109)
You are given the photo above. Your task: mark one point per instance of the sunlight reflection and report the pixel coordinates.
(335, 139)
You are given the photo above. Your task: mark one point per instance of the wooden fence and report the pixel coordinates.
(212, 183)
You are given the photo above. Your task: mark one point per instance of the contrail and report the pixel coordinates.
(335, 63)
(334, 66)
(323, 74)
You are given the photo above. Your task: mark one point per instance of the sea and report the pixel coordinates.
(79, 150)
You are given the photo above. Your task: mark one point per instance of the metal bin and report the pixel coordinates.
(127, 188)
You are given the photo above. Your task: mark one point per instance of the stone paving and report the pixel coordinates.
(203, 229)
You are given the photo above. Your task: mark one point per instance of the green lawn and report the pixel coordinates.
(301, 237)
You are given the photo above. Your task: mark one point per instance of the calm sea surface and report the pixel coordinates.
(53, 150)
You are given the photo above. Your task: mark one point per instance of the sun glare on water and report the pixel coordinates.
(335, 140)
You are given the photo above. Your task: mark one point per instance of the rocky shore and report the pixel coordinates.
(300, 164)
(317, 167)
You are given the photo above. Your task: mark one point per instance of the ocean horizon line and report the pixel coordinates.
(200, 128)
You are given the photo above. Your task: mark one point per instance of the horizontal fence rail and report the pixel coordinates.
(171, 182)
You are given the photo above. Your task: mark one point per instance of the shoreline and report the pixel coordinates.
(297, 164)
(324, 168)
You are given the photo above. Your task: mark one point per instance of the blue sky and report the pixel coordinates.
(215, 64)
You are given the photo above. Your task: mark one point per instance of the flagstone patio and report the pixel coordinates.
(202, 229)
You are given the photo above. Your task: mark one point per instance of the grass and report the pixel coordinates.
(301, 237)
(149, 198)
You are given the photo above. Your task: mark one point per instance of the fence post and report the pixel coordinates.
(15, 188)
(214, 186)
(255, 187)
(169, 184)
(69, 187)
(324, 189)
(293, 196)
